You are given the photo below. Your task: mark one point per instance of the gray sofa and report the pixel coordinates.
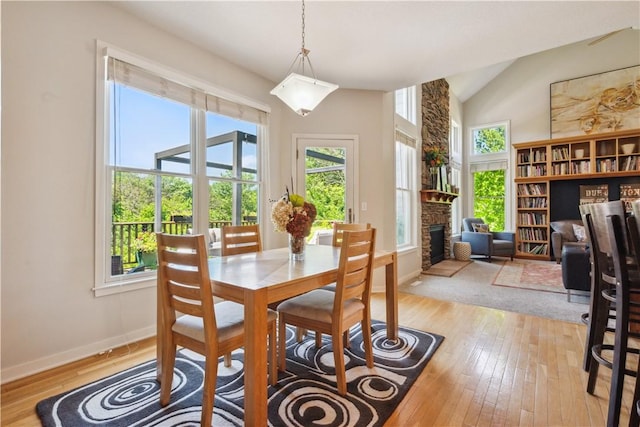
(493, 243)
(563, 235)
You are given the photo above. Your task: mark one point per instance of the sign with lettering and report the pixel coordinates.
(629, 193)
(594, 194)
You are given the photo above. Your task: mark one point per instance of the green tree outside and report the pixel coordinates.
(489, 186)
(326, 187)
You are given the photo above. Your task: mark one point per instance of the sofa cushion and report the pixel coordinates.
(565, 227)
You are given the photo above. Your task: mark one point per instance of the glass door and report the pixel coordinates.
(325, 172)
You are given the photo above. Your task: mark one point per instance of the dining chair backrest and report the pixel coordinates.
(183, 280)
(240, 239)
(599, 213)
(635, 208)
(355, 268)
(339, 228)
(633, 227)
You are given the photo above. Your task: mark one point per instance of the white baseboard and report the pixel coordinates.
(13, 373)
(409, 278)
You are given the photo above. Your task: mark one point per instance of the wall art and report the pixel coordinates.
(599, 103)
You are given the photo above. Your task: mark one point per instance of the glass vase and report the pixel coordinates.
(296, 248)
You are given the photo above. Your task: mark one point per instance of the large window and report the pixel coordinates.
(489, 197)
(406, 165)
(489, 164)
(176, 158)
(405, 100)
(489, 139)
(405, 189)
(455, 162)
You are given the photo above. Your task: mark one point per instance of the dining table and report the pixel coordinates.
(261, 278)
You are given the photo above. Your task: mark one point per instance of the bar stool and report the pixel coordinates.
(602, 307)
(627, 312)
(633, 227)
(610, 249)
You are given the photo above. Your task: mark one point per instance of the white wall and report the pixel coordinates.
(49, 313)
(521, 92)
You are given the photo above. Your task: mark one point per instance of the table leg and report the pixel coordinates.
(255, 358)
(391, 296)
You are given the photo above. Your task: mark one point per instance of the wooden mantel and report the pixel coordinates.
(434, 196)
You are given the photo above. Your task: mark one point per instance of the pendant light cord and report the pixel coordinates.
(303, 55)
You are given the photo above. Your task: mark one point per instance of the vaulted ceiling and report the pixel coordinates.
(385, 45)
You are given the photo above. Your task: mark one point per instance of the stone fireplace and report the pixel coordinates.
(435, 133)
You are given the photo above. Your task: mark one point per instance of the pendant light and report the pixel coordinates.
(300, 92)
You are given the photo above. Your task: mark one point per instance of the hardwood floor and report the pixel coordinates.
(493, 368)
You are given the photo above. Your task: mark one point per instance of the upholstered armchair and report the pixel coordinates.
(486, 242)
(568, 232)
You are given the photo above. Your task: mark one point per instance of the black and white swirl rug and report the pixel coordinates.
(305, 395)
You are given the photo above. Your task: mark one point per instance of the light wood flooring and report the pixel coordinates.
(493, 368)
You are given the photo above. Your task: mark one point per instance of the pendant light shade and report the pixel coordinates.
(302, 93)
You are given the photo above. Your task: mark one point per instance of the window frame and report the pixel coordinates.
(409, 190)
(104, 282)
(491, 161)
(473, 156)
(407, 128)
(408, 104)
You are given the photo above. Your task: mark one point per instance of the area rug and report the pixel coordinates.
(305, 395)
(537, 275)
(447, 268)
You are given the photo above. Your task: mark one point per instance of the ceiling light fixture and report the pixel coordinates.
(302, 93)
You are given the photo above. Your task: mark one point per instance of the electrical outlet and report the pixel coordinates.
(363, 206)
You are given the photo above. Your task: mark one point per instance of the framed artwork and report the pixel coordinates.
(629, 193)
(594, 194)
(599, 103)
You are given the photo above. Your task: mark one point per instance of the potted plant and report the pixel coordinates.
(146, 249)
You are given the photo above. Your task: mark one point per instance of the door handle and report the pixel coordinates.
(350, 216)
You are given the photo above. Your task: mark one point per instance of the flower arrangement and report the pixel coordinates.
(292, 214)
(434, 156)
(145, 242)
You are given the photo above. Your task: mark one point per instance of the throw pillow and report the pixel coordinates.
(480, 228)
(580, 232)
(565, 228)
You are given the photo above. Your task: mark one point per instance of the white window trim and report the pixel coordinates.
(473, 157)
(492, 161)
(122, 283)
(410, 104)
(455, 142)
(413, 196)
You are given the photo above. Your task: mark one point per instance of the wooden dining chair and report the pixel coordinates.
(191, 319)
(240, 239)
(633, 227)
(339, 228)
(617, 303)
(334, 313)
(627, 313)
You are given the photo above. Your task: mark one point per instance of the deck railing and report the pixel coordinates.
(123, 234)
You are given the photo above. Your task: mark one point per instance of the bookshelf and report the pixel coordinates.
(610, 155)
(532, 231)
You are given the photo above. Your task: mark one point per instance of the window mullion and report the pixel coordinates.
(199, 172)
